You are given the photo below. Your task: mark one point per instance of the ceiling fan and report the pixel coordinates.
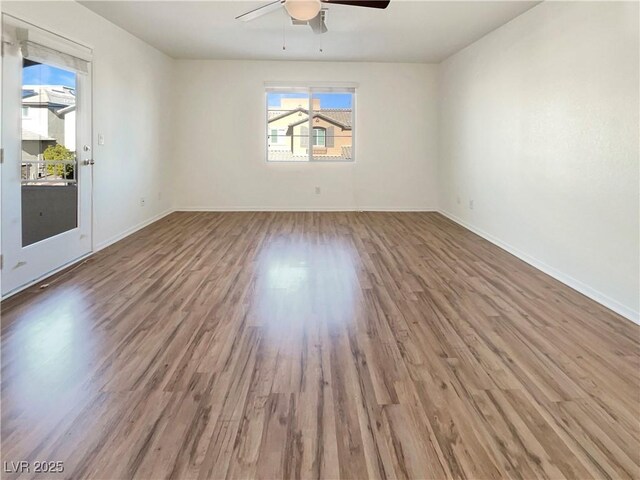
(310, 12)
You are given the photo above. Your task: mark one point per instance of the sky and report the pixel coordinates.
(48, 75)
(327, 100)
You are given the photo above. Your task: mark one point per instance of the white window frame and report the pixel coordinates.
(310, 89)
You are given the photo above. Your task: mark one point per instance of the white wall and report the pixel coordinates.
(131, 107)
(539, 126)
(219, 139)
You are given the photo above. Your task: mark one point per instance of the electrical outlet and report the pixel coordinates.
(142, 201)
(471, 204)
(317, 190)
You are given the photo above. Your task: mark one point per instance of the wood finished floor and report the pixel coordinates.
(316, 345)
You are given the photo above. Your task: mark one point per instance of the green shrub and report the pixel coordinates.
(59, 152)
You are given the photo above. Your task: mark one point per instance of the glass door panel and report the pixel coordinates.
(49, 186)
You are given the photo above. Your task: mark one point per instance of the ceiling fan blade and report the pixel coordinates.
(360, 3)
(317, 23)
(258, 12)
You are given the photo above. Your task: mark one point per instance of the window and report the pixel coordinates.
(310, 124)
(278, 139)
(319, 135)
(25, 111)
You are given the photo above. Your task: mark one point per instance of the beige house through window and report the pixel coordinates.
(310, 124)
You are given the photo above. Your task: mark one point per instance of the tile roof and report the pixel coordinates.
(341, 116)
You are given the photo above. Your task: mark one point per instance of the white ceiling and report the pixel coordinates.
(407, 31)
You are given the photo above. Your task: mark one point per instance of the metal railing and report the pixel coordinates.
(48, 172)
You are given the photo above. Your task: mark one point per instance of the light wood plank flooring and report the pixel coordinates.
(316, 345)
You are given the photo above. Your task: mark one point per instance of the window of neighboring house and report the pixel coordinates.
(278, 138)
(25, 111)
(319, 137)
(310, 124)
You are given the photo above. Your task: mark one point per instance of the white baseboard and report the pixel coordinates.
(305, 209)
(586, 290)
(131, 230)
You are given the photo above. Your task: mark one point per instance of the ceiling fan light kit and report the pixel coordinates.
(303, 9)
(310, 12)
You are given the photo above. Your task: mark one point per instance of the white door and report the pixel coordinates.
(47, 166)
